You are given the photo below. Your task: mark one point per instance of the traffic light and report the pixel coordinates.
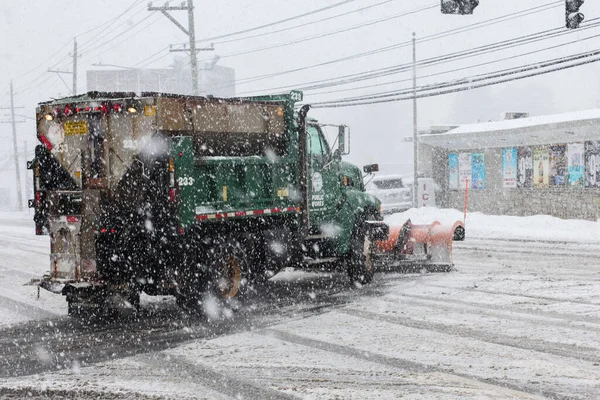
(460, 7)
(572, 15)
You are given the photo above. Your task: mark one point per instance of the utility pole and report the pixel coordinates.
(74, 71)
(74, 66)
(28, 191)
(193, 52)
(415, 132)
(14, 122)
(190, 32)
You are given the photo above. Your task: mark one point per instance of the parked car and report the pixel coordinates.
(394, 192)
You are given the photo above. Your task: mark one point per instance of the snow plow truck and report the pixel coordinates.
(186, 195)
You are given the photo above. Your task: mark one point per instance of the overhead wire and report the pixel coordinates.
(318, 10)
(304, 24)
(467, 80)
(471, 66)
(120, 34)
(467, 83)
(307, 38)
(107, 25)
(477, 51)
(470, 27)
(105, 43)
(331, 33)
(33, 81)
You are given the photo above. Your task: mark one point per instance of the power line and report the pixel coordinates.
(34, 85)
(144, 63)
(318, 10)
(492, 21)
(459, 87)
(305, 39)
(460, 69)
(459, 56)
(444, 34)
(331, 33)
(108, 24)
(451, 71)
(391, 70)
(33, 82)
(122, 33)
(471, 79)
(302, 39)
(305, 24)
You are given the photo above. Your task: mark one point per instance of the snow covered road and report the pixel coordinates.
(517, 319)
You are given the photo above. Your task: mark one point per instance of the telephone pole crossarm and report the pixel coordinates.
(74, 72)
(173, 20)
(59, 72)
(186, 49)
(166, 8)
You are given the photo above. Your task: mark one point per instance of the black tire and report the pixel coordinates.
(360, 262)
(459, 234)
(192, 276)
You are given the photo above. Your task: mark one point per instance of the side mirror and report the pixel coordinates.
(343, 130)
(369, 169)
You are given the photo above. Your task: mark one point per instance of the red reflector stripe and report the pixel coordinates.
(46, 142)
(258, 212)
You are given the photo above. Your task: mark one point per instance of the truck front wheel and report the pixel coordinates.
(361, 267)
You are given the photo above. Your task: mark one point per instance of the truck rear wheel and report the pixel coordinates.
(228, 276)
(229, 268)
(361, 266)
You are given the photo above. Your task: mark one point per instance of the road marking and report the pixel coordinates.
(402, 363)
(217, 381)
(540, 346)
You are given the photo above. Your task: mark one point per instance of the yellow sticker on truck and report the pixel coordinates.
(76, 128)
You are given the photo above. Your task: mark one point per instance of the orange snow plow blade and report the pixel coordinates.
(420, 246)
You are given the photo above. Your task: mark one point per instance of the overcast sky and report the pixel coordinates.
(37, 35)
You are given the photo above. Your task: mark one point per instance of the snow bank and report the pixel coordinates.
(478, 225)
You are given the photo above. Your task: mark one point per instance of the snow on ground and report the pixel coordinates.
(516, 320)
(478, 225)
(23, 257)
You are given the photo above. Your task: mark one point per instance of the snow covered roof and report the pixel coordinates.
(547, 129)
